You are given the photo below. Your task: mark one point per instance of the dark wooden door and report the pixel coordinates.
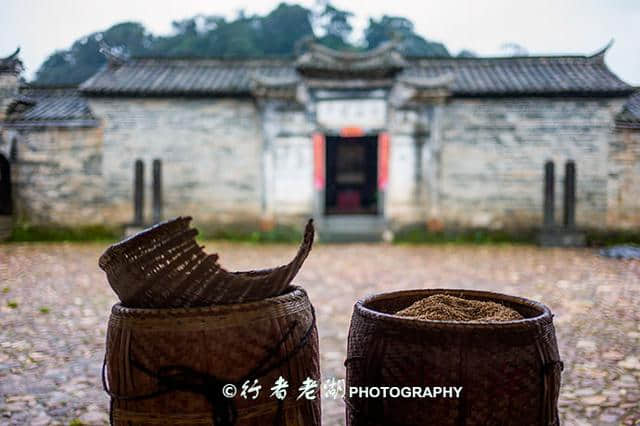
(352, 175)
(6, 205)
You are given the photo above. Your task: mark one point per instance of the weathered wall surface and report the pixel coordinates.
(623, 187)
(472, 163)
(210, 151)
(57, 176)
(293, 181)
(408, 196)
(493, 153)
(288, 162)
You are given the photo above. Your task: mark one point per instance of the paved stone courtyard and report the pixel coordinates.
(54, 303)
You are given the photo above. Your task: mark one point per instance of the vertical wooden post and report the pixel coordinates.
(549, 196)
(157, 190)
(569, 218)
(138, 193)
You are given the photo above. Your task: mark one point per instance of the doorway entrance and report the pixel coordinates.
(351, 175)
(6, 206)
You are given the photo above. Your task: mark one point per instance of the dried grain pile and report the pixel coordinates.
(443, 307)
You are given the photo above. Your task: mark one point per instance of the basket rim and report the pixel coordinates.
(293, 294)
(362, 309)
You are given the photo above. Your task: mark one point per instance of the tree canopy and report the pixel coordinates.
(281, 32)
(401, 29)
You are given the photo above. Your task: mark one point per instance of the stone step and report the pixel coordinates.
(561, 237)
(350, 228)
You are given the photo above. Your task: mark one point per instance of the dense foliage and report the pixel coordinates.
(282, 32)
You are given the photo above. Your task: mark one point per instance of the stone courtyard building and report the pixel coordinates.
(363, 142)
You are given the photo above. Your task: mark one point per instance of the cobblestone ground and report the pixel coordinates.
(54, 304)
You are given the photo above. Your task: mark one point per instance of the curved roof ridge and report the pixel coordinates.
(347, 55)
(600, 54)
(221, 59)
(529, 58)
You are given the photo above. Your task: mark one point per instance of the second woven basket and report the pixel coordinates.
(508, 372)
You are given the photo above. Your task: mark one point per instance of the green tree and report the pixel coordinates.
(245, 36)
(279, 33)
(401, 29)
(83, 59)
(283, 27)
(336, 27)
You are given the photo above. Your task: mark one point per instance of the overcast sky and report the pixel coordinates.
(541, 26)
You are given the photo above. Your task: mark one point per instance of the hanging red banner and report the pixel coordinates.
(318, 161)
(383, 160)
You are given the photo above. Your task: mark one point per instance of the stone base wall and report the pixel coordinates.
(623, 186)
(57, 176)
(210, 151)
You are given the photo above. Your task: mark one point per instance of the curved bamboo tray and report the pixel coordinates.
(164, 267)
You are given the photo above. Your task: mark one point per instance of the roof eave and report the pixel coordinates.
(93, 93)
(628, 124)
(454, 94)
(30, 124)
(545, 94)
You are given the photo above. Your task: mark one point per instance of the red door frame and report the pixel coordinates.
(319, 160)
(383, 160)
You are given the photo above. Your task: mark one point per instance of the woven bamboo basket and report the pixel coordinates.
(509, 371)
(164, 267)
(168, 366)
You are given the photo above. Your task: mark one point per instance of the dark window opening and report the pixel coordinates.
(352, 175)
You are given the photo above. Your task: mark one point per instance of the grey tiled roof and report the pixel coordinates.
(158, 77)
(549, 75)
(541, 75)
(49, 107)
(630, 114)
